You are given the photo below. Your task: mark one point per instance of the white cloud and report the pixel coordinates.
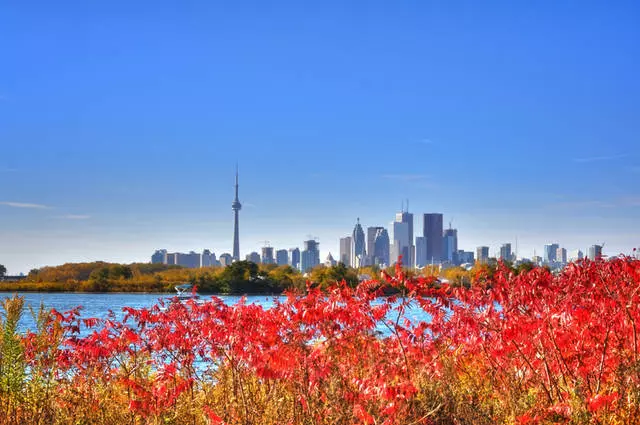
(598, 158)
(74, 217)
(25, 205)
(405, 177)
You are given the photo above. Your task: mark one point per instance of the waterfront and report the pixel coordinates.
(99, 304)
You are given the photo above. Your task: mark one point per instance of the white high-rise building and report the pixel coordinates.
(346, 250)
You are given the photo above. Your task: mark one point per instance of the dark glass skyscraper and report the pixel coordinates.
(432, 230)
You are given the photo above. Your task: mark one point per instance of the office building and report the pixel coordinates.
(381, 247)
(433, 231)
(505, 252)
(359, 248)
(450, 245)
(595, 252)
(282, 257)
(159, 257)
(267, 255)
(421, 251)
(209, 259)
(407, 248)
(482, 254)
(465, 257)
(294, 258)
(401, 246)
(225, 259)
(346, 249)
(172, 258)
(191, 260)
(561, 256)
(330, 262)
(371, 243)
(310, 256)
(254, 257)
(549, 253)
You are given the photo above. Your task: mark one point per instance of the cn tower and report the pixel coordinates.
(236, 206)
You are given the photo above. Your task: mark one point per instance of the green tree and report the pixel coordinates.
(3, 270)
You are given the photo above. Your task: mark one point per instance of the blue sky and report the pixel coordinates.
(121, 123)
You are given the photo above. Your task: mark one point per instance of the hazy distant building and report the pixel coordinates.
(594, 252)
(406, 249)
(209, 259)
(359, 248)
(561, 255)
(401, 245)
(371, 242)
(267, 255)
(294, 258)
(225, 259)
(282, 257)
(159, 257)
(381, 247)
(172, 258)
(449, 245)
(190, 260)
(421, 251)
(330, 262)
(549, 253)
(346, 249)
(254, 257)
(433, 231)
(577, 255)
(482, 254)
(310, 256)
(505, 252)
(465, 257)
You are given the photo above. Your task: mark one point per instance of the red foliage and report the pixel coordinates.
(568, 340)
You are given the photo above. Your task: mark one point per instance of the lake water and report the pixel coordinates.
(99, 304)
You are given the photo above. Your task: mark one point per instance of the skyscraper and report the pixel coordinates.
(401, 245)
(433, 231)
(294, 258)
(549, 253)
(381, 247)
(310, 257)
(371, 242)
(345, 250)
(594, 252)
(450, 245)
(254, 257)
(267, 255)
(208, 258)
(408, 257)
(236, 206)
(282, 257)
(505, 252)
(561, 256)
(421, 251)
(482, 254)
(359, 250)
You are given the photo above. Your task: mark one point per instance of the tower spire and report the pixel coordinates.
(236, 207)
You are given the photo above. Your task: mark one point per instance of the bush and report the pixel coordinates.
(527, 348)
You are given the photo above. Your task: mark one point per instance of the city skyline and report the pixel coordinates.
(119, 134)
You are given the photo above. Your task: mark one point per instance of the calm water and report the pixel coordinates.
(98, 305)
